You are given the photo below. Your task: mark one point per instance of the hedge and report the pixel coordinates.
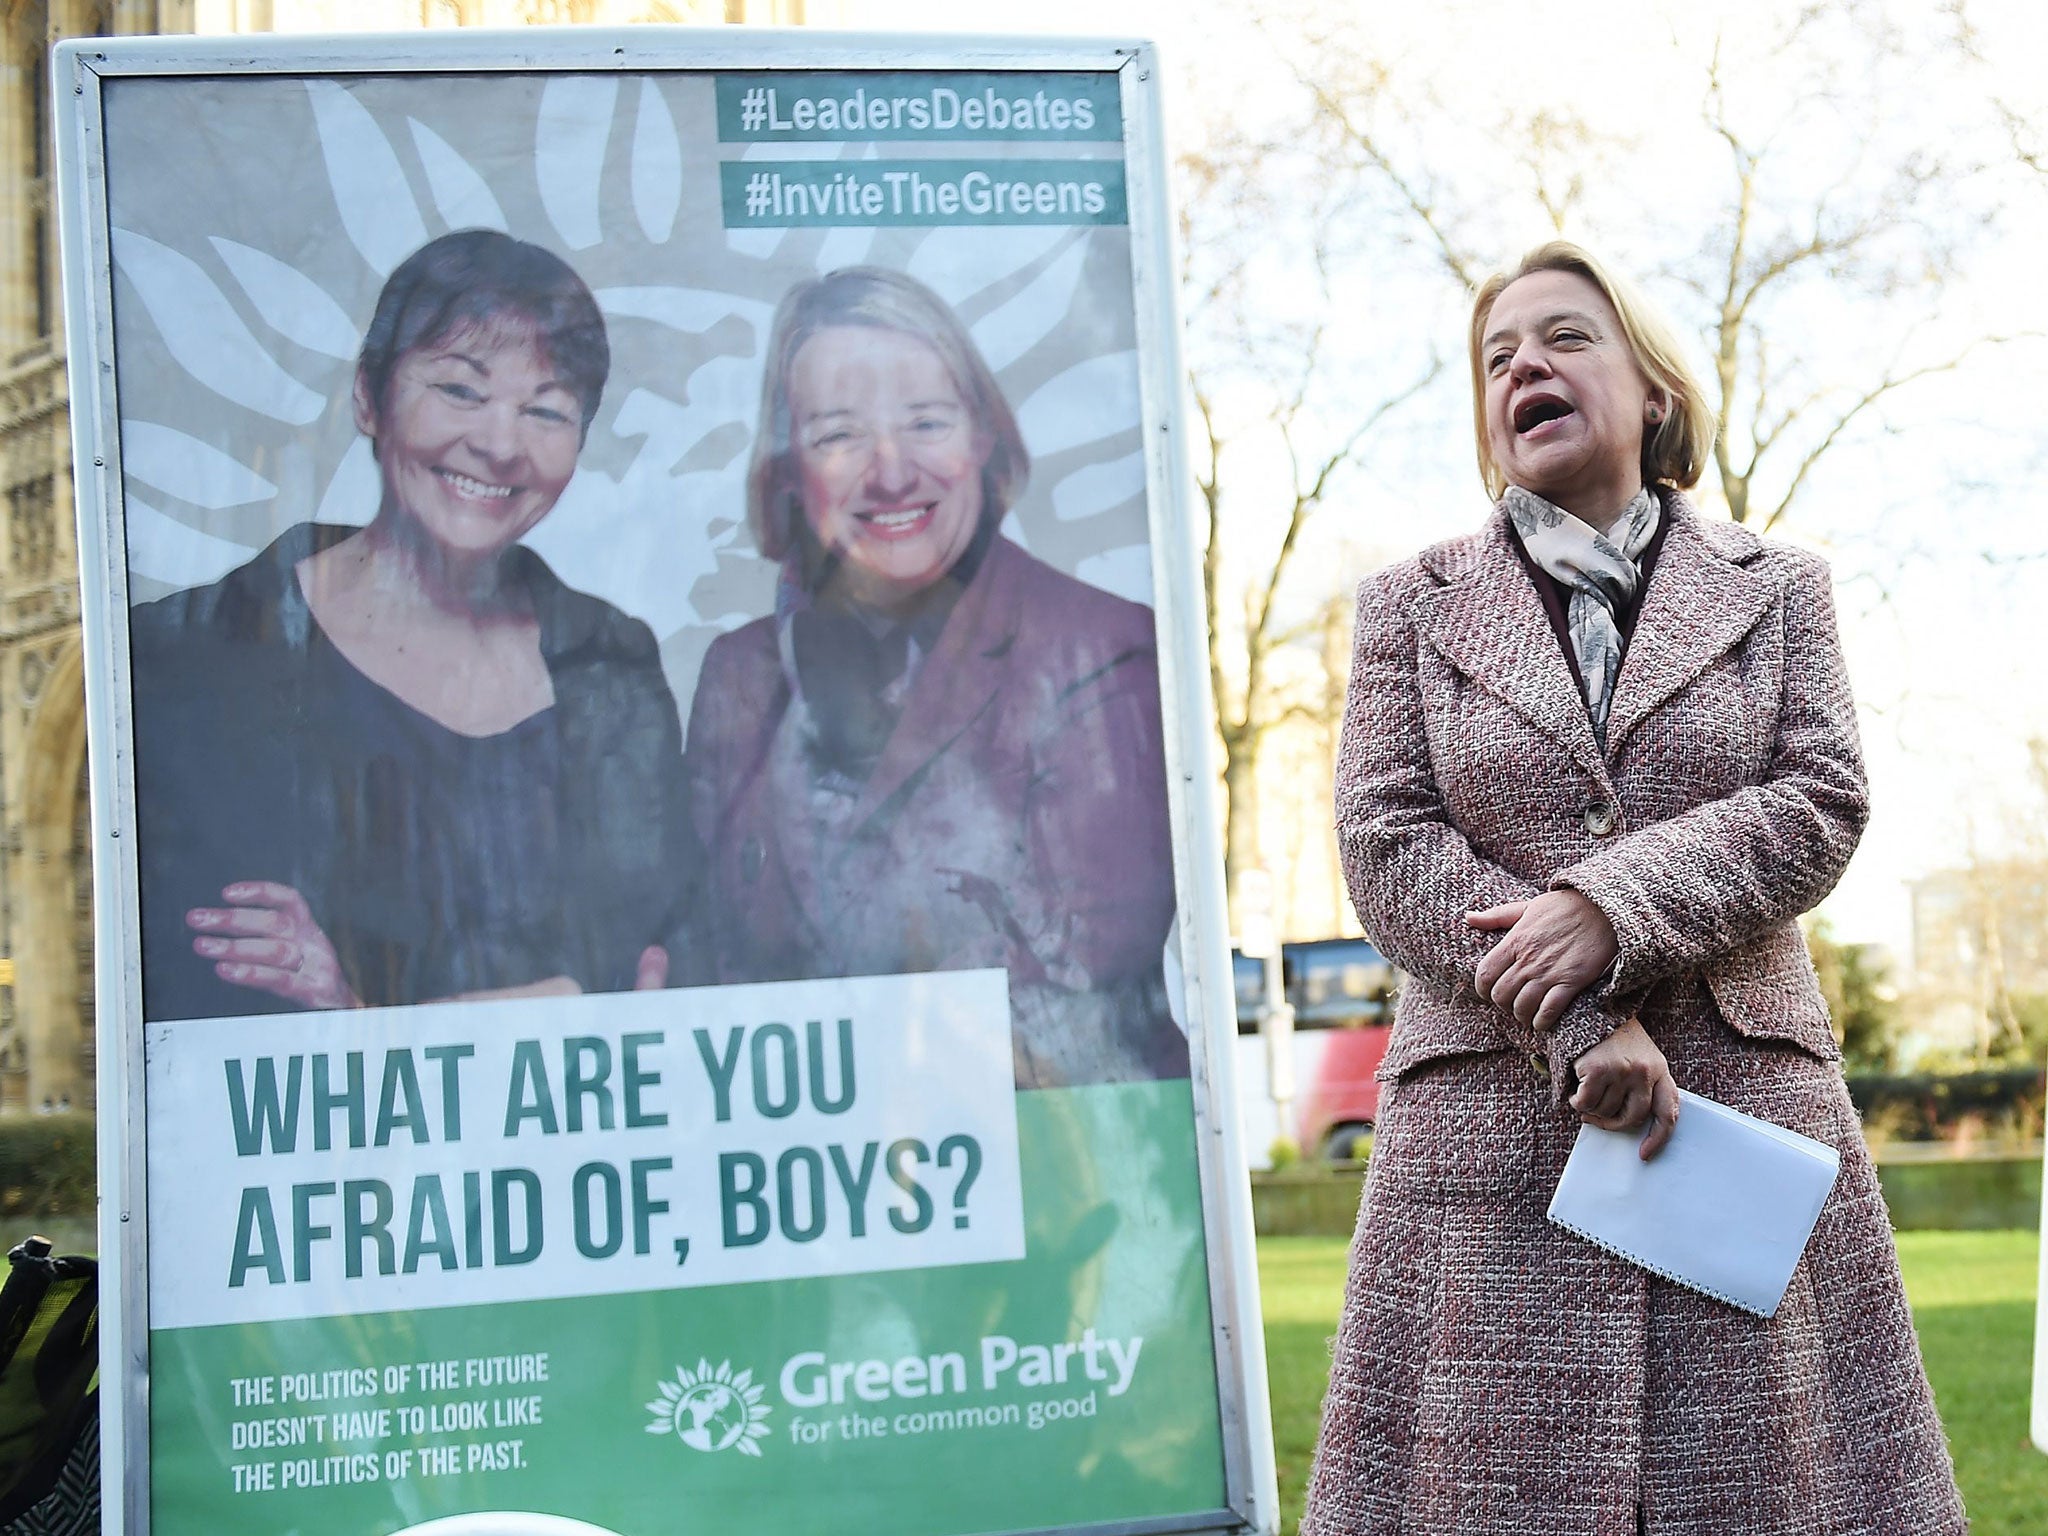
(2003, 1105)
(1921, 1193)
(47, 1167)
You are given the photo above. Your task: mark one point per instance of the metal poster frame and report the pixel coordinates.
(80, 68)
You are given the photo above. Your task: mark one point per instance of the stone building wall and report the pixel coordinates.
(46, 1014)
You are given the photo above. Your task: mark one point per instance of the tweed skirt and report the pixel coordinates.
(1494, 1375)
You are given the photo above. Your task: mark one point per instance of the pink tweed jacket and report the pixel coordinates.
(1729, 801)
(1492, 1373)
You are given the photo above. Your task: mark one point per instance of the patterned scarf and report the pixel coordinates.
(1600, 572)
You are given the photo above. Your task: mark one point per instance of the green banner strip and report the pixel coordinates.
(1075, 1385)
(798, 194)
(791, 106)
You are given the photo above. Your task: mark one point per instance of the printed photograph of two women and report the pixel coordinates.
(538, 588)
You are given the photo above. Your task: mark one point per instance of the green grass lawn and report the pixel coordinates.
(1973, 1300)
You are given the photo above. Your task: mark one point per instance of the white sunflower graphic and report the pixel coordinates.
(711, 1409)
(244, 282)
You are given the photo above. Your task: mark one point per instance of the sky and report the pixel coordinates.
(1931, 513)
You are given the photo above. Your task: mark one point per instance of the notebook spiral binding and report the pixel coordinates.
(1658, 1269)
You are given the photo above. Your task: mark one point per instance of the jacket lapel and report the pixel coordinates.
(1701, 601)
(776, 838)
(957, 682)
(1488, 621)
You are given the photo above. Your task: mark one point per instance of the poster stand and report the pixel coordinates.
(936, 1221)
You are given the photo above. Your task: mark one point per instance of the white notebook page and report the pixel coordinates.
(1725, 1208)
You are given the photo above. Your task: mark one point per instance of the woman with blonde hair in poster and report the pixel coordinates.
(938, 753)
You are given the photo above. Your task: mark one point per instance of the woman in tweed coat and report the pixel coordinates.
(1586, 787)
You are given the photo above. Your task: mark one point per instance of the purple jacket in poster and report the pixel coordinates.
(1016, 818)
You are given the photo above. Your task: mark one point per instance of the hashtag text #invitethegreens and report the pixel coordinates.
(925, 192)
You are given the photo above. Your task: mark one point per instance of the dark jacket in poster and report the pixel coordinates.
(436, 863)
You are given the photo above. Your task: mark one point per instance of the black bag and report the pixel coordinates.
(49, 1392)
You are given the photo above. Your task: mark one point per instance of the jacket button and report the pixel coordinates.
(1539, 1066)
(1599, 819)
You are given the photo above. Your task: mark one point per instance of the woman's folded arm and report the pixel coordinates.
(1412, 874)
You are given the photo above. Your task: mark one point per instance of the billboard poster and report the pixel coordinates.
(654, 972)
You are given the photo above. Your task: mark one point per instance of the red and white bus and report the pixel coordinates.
(1342, 994)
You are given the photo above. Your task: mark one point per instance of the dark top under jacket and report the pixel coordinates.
(436, 862)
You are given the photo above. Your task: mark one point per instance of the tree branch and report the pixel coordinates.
(1308, 498)
(1889, 384)
(1455, 261)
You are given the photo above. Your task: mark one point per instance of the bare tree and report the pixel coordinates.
(1809, 209)
(1981, 928)
(1350, 211)
(1887, 232)
(1814, 202)
(1246, 704)
(1272, 391)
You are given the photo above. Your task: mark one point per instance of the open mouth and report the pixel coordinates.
(1533, 413)
(472, 489)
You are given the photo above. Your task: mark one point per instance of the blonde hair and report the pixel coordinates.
(885, 300)
(1675, 450)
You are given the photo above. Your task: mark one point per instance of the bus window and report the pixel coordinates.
(1249, 978)
(1339, 984)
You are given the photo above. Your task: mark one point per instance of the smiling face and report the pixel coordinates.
(1566, 404)
(476, 438)
(888, 455)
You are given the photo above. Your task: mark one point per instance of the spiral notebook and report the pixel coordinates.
(1726, 1208)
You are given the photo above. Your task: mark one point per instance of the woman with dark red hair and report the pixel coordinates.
(399, 762)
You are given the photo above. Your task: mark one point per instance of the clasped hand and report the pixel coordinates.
(267, 939)
(1556, 946)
